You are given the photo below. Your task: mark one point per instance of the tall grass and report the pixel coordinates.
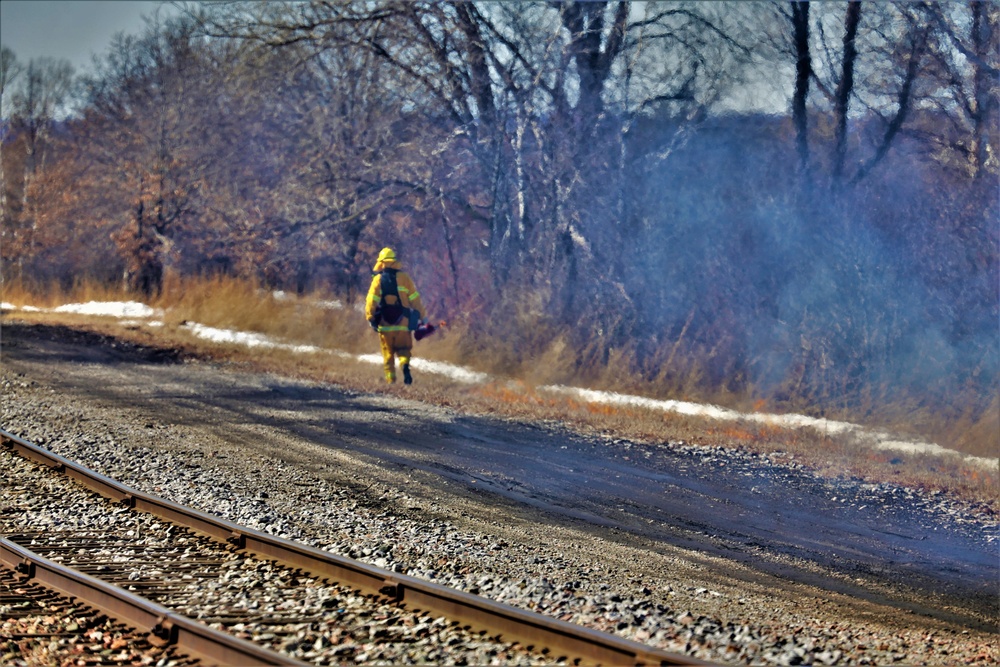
(527, 347)
(23, 293)
(316, 319)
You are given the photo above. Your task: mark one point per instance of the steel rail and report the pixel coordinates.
(194, 638)
(531, 629)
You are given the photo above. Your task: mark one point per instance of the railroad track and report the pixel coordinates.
(38, 625)
(280, 600)
(72, 625)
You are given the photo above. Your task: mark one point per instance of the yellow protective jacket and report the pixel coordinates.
(409, 297)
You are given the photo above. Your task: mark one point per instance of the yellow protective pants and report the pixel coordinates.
(395, 344)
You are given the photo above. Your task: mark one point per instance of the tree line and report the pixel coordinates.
(797, 199)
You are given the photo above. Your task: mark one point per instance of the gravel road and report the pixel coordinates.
(845, 573)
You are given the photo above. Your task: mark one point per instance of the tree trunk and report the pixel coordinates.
(982, 39)
(845, 87)
(803, 70)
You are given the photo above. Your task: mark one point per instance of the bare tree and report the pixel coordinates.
(10, 71)
(845, 87)
(867, 74)
(37, 95)
(538, 93)
(46, 86)
(146, 143)
(963, 86)
(803, 73)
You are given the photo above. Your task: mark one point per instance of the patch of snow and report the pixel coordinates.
(139, 323)
(248, 339)
(454, 372)
(612, 398)
(876, 439)
(436, 367)
(885, 441)
(28, 309)
(328, 304)
(111, 309)
(370, 358)
(800, 421)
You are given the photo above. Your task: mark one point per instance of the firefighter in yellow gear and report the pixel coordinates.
(393, 308)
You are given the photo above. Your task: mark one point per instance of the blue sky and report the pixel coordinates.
(71, 29)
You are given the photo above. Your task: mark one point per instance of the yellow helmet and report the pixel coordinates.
(387, 255)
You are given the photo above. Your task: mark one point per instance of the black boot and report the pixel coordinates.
(407, 378)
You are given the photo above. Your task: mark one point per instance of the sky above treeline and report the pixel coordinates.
(72, 29)
(78, 30)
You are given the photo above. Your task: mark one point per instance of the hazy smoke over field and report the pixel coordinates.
(879, 289)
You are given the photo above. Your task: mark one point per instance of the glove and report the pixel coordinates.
(374, 325)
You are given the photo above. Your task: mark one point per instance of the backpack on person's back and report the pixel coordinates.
(390, 308)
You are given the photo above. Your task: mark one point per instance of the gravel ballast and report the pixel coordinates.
(277, 607)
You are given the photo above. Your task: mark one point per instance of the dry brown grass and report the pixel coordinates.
(307, 320)
(20, 294)
(973, 432)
